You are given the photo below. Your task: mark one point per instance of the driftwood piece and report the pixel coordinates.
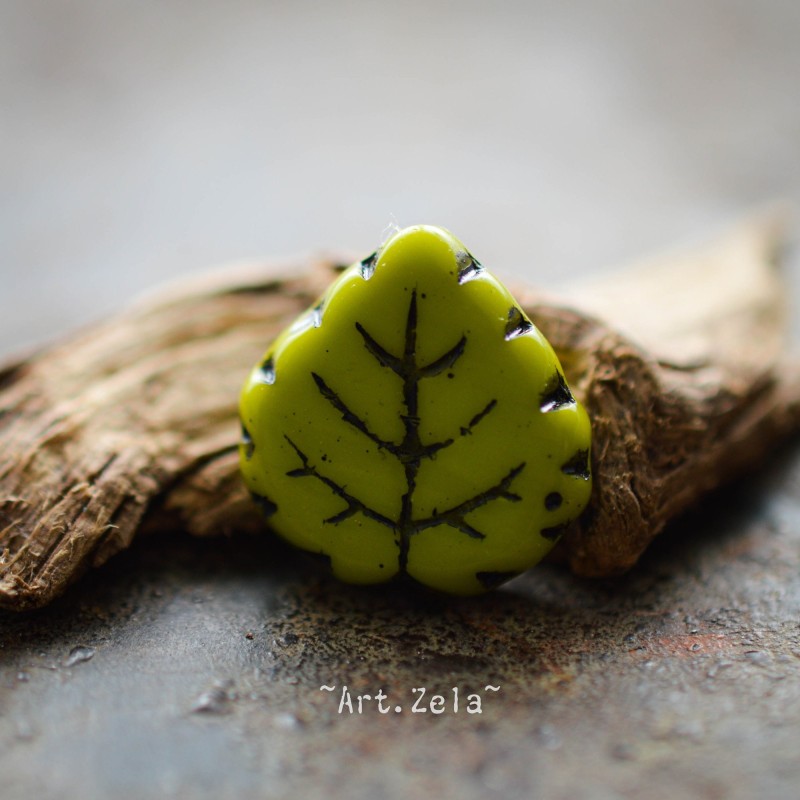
(134, 421)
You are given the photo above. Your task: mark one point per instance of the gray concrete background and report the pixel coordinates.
(141, 141)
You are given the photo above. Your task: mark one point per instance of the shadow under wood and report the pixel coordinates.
(276, 595)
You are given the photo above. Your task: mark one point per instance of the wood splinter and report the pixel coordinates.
(681, 365)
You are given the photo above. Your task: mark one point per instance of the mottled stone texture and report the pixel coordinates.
(679, 679)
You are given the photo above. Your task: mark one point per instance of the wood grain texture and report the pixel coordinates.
(133, 423)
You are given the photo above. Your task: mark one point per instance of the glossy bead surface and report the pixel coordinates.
(415, 421)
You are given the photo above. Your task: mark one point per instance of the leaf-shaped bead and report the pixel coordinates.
(415, 422)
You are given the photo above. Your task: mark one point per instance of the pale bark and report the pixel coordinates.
(132, 423)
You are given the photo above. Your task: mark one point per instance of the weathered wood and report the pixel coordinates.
(134, 420)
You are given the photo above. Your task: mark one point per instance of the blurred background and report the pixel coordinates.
(141, 140)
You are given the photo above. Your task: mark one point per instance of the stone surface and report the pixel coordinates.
(208, 658)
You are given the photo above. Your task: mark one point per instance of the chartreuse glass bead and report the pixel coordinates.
(415, 421)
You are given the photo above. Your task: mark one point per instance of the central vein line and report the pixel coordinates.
(410, 447)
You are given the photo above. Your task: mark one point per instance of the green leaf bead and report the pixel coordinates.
(415, 421)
